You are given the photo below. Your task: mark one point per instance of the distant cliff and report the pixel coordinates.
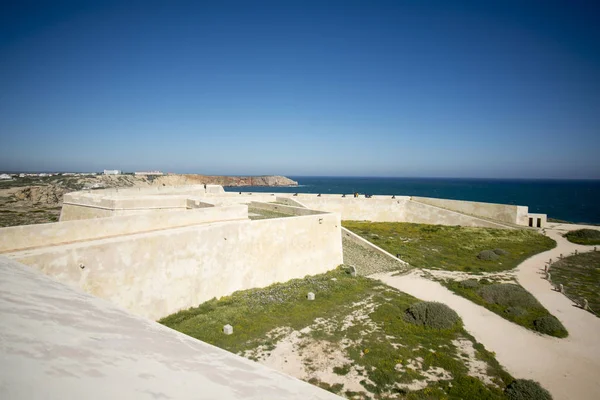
(174, 180)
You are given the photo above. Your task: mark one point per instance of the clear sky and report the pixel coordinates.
(359, 88)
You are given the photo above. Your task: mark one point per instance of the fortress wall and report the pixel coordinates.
(290, 202)
(500, 212)
(348, 234)
(72, 212)
(386, 209)
(155, 274)
(84, 207)
(426, 214)
(377, 208)
(291, 210)
(27, 236)
(59, 343)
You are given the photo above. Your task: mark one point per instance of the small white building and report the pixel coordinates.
(5, 177)
(112, 172)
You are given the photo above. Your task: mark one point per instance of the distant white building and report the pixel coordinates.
(112, 172)
(5, 177)
(148, 173)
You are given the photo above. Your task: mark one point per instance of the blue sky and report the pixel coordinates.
(358, 88)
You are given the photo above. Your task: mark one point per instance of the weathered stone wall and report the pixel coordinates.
(501, 212)
(155, 274)
(388, 209)
(28, 236)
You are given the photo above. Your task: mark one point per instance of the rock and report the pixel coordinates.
(228, 329)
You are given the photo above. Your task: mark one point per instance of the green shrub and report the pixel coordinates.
(484, 281)
(488, 255)
(550, 325)
(501, 252)
(508, 295)
(431, 315)
(525, 389)
(469, 284)
(516, 311)
(584, 236)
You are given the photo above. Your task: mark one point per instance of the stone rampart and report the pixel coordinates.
(154, 274)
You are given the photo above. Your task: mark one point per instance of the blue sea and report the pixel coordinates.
(569, 200)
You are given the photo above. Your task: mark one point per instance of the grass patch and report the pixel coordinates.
(380, 346)
(584, 236)
(511, 302)
(580, 276)
(265, 214)
(453, 248)
(28, 217)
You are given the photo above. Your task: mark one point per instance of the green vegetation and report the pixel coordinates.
(28, 217)
(584, 236)
(511, 302)
(580, 277)
(525, 389)
(379, 347)
(452, 248)
(259, 213)
(431, 315)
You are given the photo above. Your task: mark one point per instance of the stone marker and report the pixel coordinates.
(550, 261)
(586, 306)
(310, 296)
(560, 256)
(548, 276)
(561, 288)
(545, 268)
(228, 329)
(352, 270)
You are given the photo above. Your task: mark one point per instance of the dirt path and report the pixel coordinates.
(569, 368)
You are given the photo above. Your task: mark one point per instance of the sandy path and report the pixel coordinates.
(569, 368)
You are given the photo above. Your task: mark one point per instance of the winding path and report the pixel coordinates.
(569, 368)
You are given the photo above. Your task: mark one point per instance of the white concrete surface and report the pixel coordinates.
(57, 343)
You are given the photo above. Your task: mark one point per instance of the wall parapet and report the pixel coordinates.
(17, 238)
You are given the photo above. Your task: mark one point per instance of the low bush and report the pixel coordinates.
(584, 236)
(469, 284)
(508, 295)
(516, 311)
(525, 389)
(501, 252)
(431, 315)
(488, 255)
(550, 325)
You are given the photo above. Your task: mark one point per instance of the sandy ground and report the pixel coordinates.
(569, 368)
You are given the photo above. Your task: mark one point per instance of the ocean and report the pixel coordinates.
(569, 200)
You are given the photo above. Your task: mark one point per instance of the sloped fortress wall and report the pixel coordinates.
(501, 212)
(59, 343)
